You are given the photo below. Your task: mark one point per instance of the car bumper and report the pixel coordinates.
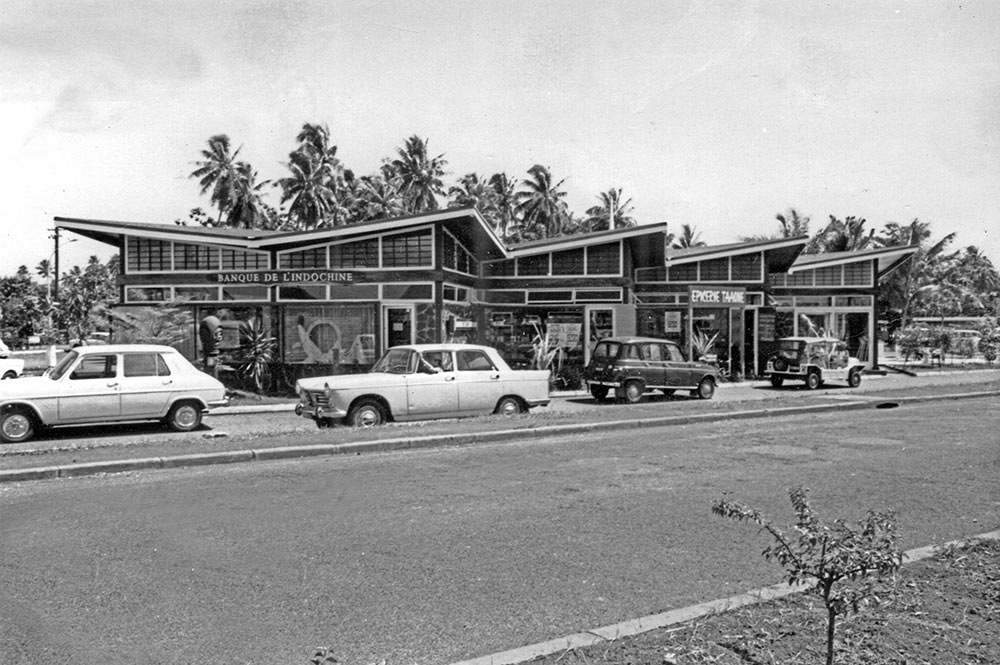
(314, 412)
(218, 402)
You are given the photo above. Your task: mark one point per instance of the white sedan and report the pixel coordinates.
(423, 381)
(105, 384)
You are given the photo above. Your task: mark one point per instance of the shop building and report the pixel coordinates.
(335, 298)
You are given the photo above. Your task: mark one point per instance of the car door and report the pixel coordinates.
(480, 385)
(146, 385)
(430, 390)
(90, 391)
(678, 371)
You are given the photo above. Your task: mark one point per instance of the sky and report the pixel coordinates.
(715, 114)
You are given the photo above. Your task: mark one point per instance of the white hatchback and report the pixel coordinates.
(106, 384)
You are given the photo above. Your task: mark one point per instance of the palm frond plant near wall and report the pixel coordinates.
(256, 354)
(702, 344)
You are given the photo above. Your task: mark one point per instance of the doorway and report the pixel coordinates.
(397, 325)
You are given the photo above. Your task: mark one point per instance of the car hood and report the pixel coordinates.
(353, 381)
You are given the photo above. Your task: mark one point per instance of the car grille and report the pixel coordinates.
(317, 398)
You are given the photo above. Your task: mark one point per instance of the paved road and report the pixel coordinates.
(434, 556)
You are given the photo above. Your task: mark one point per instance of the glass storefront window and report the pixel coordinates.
(302, 292)
(147, 294)
(330, 334)
(245, 293)
(196, 293)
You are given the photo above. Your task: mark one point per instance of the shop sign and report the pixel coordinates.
(712, 296)
(287, 277)
(672, 323)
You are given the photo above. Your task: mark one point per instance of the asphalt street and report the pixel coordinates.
(434, 556)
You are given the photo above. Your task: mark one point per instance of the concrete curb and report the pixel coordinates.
(676, 617)
(388, 445)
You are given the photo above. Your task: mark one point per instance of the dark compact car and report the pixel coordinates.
(633, 366)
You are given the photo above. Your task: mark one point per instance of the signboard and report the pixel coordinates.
(566, 335)
(765, 326)
(715, 296)
(305, 276)
(672, 323)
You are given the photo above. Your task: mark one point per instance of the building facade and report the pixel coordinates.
(335, 298)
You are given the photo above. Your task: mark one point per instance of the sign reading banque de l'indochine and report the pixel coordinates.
(288, 277)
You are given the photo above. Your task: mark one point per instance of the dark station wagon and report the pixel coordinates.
(633, 366)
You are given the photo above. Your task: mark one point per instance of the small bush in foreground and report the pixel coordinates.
(845, 564)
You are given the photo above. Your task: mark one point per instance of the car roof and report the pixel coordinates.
(811, 339)
(630, 339)
(446, 346)
(123, 348)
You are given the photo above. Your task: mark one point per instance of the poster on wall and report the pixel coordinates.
(765, 324)
(672, 323)
(564, 335)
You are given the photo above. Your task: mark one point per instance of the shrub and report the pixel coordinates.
(835, 558)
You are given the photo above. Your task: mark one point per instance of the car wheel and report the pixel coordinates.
(509, 406)
(705, 390)
(9, 374)
(600, 393)
(813, 380)
(631, 392)
(184, 416)
(777, 381)
(366, 413)
(780, 364)
(17, 425)
(854, 378)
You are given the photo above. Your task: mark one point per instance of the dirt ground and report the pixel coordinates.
(944, 610)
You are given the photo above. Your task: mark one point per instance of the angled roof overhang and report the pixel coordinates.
(638, 236)
(779, 254)
(466, 224)
(888, 259)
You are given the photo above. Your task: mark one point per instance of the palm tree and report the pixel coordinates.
(540, 204)
(471, 192)
(378, 197)
(504, 213)
(420, 175)
(612, 213)
(217, 172)
(312, 201)
(792, 224)
(842, 236)
(688, 238)
(907, 284)
(247, 209)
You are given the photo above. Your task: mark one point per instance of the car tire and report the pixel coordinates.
(777, 381)
(854, 378)
(366, 413)
(780, 364)
(705, 389)
(509, 406)
(17, 425)
(184, 416)
(599, 393)
(630, 392)
(9, 374)
(813, 380)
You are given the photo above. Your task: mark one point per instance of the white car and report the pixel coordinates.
(106, 384)
(10, 368)
(813, 360)
(423, 381)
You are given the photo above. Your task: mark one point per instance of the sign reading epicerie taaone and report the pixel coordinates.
(287, 277)
(713, 296)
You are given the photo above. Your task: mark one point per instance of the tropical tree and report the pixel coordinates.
(420, 175)
(86, 295)
(612, 213)
(793, 224)
(247, 209)
(22, 304)
(914, 279)
(471, 191)
(541, 205)
(217, 171)
(688, 238)
(845, 235)
(503, 215)
(312, 202)
(377, 196)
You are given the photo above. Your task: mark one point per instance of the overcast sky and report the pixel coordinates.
(716, 114)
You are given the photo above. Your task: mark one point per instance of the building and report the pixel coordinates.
(335, 298)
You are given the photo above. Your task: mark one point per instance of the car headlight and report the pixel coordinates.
(299, 390)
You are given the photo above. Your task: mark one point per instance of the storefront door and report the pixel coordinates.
(397, 325)
(600, 323)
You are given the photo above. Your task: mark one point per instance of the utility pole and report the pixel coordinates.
(55, 239)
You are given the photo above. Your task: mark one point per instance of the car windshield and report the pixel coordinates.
(605, 350)
(794, 345)
(394, 361)
(67, 360)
